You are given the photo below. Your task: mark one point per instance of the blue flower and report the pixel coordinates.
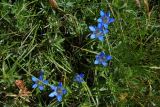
(97, 32)
(105, 19)
(79, 77)
(58, 91)
(102, 58)
(39, 81)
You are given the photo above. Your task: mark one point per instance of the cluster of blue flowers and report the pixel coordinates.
(99, 32)
(57, 91)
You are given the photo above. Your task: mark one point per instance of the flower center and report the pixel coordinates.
(102, 58)
(59, 90)
(98, 32)
(39, 82)
(105, 19)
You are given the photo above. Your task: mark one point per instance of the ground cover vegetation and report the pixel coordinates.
(79, 53)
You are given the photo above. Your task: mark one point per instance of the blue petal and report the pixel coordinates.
(75, 78)
(92, 28)
(41, 87)
(52, 94)
(53, 87)
(101, 38)
(45, 82)
(81, 75)
(102, 13)
(96, 62)
(97, 57)
(104, 63)
(106, 31)
(41, 77)
(34, 85)
(105, 25)
(108, 57)
(59, 98)
(100, 20)
(93, 36)
(108, 14)
(34, 79)
(60, 84)
(64, 91)
(111, 20)
(102, 54)
(100, 25)
(78, 78)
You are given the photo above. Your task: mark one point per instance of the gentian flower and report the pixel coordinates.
(79, 78)
(39, 81)
(102, 58)
(105, 19)
(58, 91)
(97, 32)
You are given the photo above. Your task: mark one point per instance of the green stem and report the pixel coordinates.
(89, 92)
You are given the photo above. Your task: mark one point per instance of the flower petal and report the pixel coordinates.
(92, 28)
(101, 38)
(93, 36)
(108, 57)
(96, 62)
(53, 87)
(100, 25)
(97, 57)
(78, 78)
(45, 82)
(34, 85)
(105, 31)
(81, 75)
(106, 26)
(60, 84)
(40, 77)
(41, 87)
(104, 63)
(34, 79)
(59, 98)
(108, 14)
(75, 78)
(100, 20)
(52, 94)
(102, 54)
(64, 91)
(111, 20)
(102, 13)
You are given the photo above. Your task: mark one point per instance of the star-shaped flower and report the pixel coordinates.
(98, 32)
(58, 91)
(105, 19)
(39, 82)
(79, 78)
(102, 58)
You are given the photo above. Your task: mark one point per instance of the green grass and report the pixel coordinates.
(35, 37)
